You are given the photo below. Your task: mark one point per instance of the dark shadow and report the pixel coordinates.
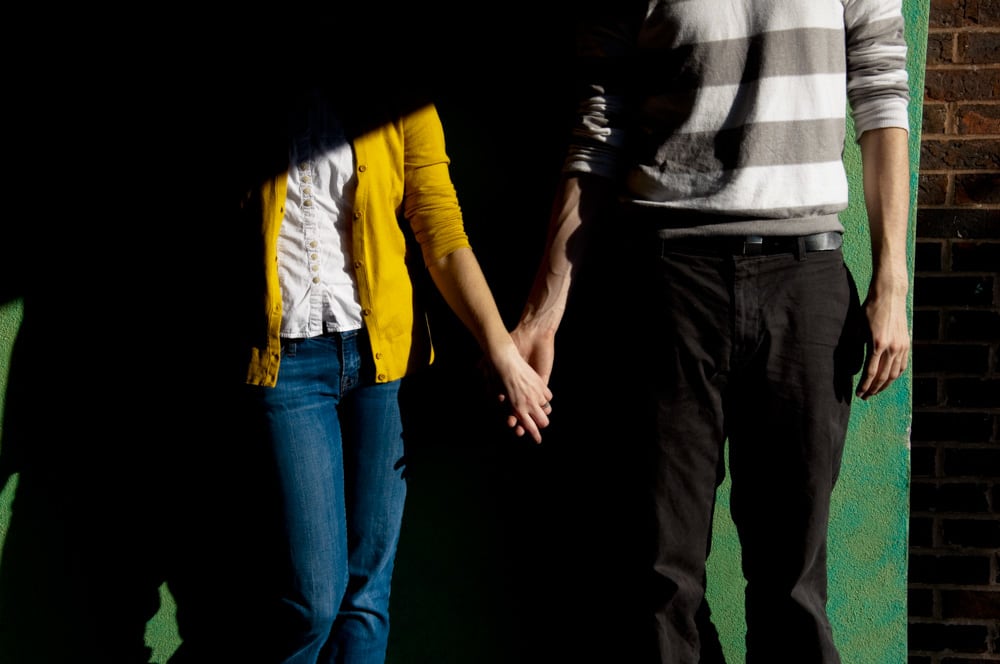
(511, 551)
(124, 419)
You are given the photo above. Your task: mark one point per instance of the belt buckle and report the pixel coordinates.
(753, 245)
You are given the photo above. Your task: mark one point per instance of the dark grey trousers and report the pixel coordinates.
(760, 351)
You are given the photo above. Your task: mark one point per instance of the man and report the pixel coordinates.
(718, 132)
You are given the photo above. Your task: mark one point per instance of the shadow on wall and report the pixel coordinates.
(135, 464)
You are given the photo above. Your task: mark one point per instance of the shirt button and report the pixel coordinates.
(313, 256)
(366, 312)
(362, 168)
(357, 215)
(357, 265)
(381, 378)
(378, 356)
(306, 179)
(315, 280)
(304, 166)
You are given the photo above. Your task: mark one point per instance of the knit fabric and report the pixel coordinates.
(735, 113)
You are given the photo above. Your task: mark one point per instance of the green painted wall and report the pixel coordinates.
(10, 318)
(870, 522)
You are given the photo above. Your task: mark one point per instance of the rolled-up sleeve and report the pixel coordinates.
(605, 61)
(430, 202)
(877, 80)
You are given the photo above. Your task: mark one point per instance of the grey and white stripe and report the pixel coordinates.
(742, 106)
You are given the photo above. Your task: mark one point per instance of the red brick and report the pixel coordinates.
(978, 189)
(935, 119)
(927, 256)
(961, 84)
(947, 290)
(977, 48)
(946, 13)
(934, 358)
(972, 89)
(966, 155)
(977, 118)
(972, 393)
(984, 13)
(956, 427)
(964, 223)
(932, 190)
(949, 569)
(920, 603)
(947, 637)
(925, 390)
(971, 13)
(964, 497)
(970, 461)
(940, 48)
(980, 605)
(975, 257)
(966, 325)
(922, 464)
(971, 533)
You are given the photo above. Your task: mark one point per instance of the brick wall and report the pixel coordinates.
(954, 574)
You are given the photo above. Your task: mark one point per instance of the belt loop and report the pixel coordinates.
(800, 248)
(753, 245)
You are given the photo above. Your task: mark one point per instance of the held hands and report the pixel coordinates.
(537, 347)
(525, 391)
(536, 351)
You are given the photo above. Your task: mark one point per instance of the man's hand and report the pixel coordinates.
(889, 346)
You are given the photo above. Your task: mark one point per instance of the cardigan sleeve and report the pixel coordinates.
(430, 202)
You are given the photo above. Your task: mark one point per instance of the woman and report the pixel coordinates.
(341, 329)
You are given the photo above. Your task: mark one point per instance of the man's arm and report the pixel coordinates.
(578, 200)
(886, 180)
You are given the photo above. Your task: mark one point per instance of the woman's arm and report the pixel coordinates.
(461, 282)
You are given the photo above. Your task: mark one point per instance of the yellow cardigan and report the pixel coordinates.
(402, 173)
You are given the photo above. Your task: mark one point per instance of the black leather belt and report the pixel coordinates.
(758, 245)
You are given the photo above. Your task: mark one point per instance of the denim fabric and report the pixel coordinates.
(760, 351)
(337, 443)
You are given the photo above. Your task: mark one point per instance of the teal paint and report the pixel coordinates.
(161, 631)
(870, 518)
(10, 320)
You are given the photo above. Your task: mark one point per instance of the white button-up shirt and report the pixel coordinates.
(318, 290)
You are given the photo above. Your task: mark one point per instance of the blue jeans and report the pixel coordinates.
(337, 445)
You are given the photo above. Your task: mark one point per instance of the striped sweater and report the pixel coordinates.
(734, 113)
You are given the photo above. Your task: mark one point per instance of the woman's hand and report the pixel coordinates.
(528, 398)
